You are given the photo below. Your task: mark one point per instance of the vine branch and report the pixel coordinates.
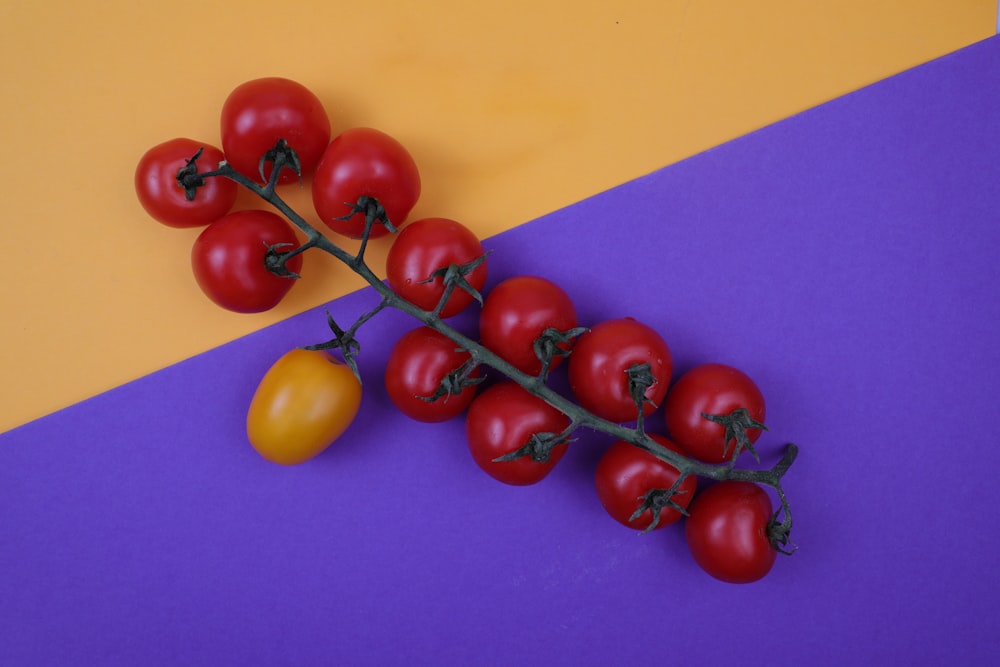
(579, 417)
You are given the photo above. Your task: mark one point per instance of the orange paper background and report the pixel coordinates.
(511, 109)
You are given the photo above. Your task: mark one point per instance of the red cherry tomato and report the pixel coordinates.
(515, 314)
(713, 389)
(363, 162)
(418, 363)
(626, 473)
(727, 532)
(166, 200)
(428, 245)
(600, 359)
(260, 112)
(228, 260)
(501, 420)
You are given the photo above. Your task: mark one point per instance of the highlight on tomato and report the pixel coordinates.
(625, 474)
(727, 532)
(427, 247)
(517, 311)
(259, 113)
(418, 365)
(178, 201)
(505, 418)
(365, 171)
(718, 390)
(228, 260)
(601, 359)
(304, 402)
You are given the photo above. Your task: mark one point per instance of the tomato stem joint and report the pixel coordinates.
(539, 447)
(656, 500)
(188, 178)
(282, 156)
(737, 423)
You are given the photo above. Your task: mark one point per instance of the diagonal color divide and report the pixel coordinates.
(845, 258)
(512, 109)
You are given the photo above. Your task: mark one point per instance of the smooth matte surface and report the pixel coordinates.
(511, 109)
(844, 258)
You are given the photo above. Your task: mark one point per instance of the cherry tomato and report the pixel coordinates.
(515, 314)
(260, 112)
(166, 200)
(600, 361)
(304, 402)
(713, 389)
(428, 245)
(502, 419)
(228, 260)
(363, 162)
(727, 532)
(418, 363)
(626, 473)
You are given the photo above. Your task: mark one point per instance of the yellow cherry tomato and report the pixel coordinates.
(303, 403)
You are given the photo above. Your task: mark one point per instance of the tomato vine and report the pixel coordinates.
(283, 157)
(364, 184)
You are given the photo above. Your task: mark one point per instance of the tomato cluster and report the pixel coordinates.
(518, 438)
(364, 185)
(359, 178)
(275, 132)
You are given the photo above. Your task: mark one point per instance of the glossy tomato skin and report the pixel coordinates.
(228, 261)
(425, 246)
(501, 420)
(625, 473)
(258, 113)
(304, 402)
(727, 532)
(714, 389)
(364, 162)
(600, 359)
(417, 364)
(517, 311)
(162, 196)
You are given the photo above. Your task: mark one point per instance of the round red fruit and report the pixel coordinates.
(228, 259)
(711, 389)
(365, 171)
(600, 363)
(431, 245)
(727, 532)
(625, 474)
(502, 420)
(259, 113)
(516, 313)
(417, 365)
(183, 200)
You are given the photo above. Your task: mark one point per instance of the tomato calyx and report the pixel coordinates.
(539, 447)
(276, 261)
(657, 500)
(344, 340)
(454, 276)
(640, 378)
(188, 178)
(281, 156)
(455, 382)
(373, 211)
(779, 528)
(779, 535)
(737, 423)
(554, 343)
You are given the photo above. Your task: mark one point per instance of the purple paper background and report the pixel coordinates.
(846, 258)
